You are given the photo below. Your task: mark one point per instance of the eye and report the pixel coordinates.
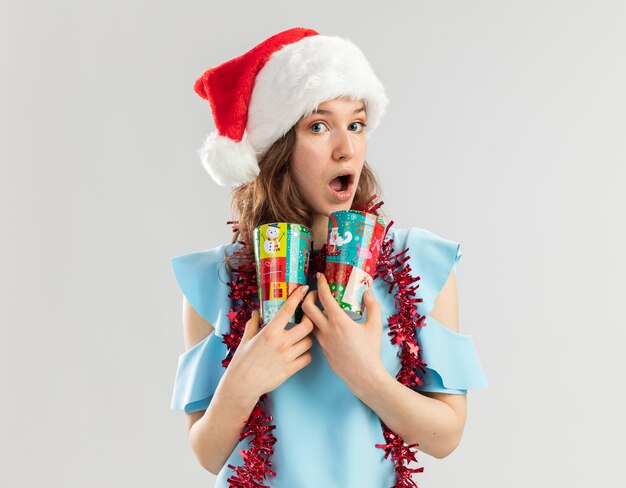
(317, 127)
(357, 126)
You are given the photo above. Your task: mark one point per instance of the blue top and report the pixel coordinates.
(325, 435)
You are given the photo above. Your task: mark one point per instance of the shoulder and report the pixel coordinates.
(203, 278)
(450, 356)
(433, 259)
(425, 242)
(446, 307)
(200, 260)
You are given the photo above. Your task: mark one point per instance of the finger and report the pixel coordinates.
(326, 297)
(310, 308)
(288, 308)
(252, 326)
(300, 330)
(316, 333)
(300, 347)
(372, 306)
(301, 362)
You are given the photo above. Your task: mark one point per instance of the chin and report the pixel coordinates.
(334, 207)
(324, 204)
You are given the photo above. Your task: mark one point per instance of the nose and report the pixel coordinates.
(343, 149)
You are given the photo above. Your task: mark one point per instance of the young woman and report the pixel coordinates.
(329, 402)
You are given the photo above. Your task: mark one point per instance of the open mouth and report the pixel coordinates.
(341, 187)
(341, 183)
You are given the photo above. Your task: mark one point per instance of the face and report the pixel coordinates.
(329, 154)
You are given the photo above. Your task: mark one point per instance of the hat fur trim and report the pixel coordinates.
(299, 77)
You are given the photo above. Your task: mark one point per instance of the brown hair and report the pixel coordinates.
(274, 196)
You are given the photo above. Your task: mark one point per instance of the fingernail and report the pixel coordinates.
(317, 275)
(304, 289)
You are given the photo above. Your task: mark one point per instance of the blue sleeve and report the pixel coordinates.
(199, 372)
(203, 279)
(452, 362)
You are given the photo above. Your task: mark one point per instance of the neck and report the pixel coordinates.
(319, 231)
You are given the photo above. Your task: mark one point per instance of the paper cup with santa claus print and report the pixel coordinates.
(354, 242)
(282, 251)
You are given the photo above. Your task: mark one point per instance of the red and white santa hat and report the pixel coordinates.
(257, 97)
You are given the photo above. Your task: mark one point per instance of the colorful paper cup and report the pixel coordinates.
(354, 242)
(282, 253)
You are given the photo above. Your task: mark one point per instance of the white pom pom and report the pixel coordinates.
(229, 163)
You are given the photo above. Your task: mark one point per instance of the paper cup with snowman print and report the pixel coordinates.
(354, 242)
(282, 253)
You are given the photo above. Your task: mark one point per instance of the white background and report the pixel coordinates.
(505, 132)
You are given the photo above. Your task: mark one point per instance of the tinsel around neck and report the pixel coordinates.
(394, 270)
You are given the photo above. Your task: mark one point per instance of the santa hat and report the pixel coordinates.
(257, 97)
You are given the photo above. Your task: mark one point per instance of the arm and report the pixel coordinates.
(214, 433)
(434, 420)
(263, 361)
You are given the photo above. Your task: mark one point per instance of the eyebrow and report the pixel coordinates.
(328, 112)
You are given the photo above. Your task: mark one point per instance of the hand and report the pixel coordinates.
(352, 349)
(264, 360)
